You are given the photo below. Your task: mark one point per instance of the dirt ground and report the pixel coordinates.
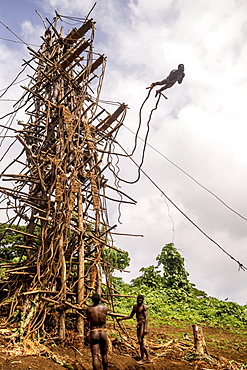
(170, 348)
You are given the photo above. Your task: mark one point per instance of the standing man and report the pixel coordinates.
(140, 310)
(96, 315)
(176, 75)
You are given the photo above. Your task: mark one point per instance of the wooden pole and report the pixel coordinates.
(94, 180)
(62, 328)
(81, 272)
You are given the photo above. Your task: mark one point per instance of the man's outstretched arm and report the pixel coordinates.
(115, 314)
(126, 317)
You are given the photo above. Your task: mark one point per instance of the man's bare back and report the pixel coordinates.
(96, 315)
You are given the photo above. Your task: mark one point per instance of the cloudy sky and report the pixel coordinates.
(200, 130)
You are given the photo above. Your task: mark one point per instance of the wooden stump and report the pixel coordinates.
(199, 342)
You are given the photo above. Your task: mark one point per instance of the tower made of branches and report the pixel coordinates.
(59, 196)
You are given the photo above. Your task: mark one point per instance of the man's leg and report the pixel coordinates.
(167, 86)
(103, 350)
(143, 349)
(160, 82)
(94, 346)
(139, 333)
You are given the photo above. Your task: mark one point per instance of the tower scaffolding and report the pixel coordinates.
(59, 194)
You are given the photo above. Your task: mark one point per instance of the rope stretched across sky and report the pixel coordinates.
(140, 170)
(191, 177)
(241, 266)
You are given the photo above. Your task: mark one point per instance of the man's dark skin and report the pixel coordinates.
(140, 310)
(96, 315)
(176, 75)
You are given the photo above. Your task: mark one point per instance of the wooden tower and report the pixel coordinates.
(60, 194)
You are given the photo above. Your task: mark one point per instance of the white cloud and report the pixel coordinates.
(201, 127)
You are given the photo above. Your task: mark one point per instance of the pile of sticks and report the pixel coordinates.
(60, 194)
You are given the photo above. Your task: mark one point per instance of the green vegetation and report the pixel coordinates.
(170, 297)
(8, 241)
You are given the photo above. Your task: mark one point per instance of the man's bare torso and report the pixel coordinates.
(140, 312)
(96, 315)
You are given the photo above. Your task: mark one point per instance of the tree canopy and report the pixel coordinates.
(174, 274)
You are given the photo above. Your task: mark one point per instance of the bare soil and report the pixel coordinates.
(170, 348)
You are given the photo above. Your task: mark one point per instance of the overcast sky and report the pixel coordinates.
(201, 127)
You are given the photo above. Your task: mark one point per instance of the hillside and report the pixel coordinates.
(170, 346)
(173, 304)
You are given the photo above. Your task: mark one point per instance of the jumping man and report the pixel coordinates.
(140, 310)
(176, 75)
(96, 315)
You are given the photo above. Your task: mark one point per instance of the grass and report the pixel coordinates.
(172, 312)
(175, 308)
